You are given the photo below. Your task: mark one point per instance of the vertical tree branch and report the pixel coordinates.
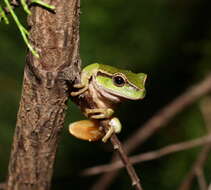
(44, 95)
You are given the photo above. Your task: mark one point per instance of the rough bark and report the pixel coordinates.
(45, 91)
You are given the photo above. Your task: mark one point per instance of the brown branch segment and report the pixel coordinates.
(44, 95)
(199, 163)
(117, 145)
(152, 155)
(2, 186)
(197, 168)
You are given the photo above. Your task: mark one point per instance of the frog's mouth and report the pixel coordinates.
(125, 97)
(116, 97)
(112, 96)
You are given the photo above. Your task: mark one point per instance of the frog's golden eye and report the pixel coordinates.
(118, 80)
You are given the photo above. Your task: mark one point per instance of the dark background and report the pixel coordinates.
(168, 40)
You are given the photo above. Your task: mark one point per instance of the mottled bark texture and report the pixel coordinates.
(41, 115)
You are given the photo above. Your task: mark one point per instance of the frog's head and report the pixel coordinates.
(121, 83)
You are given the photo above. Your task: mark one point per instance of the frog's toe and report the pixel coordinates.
(99, 113)
(115, 127)
(81, 91)
(99, 116)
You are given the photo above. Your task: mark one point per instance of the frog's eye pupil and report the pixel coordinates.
(119, 80)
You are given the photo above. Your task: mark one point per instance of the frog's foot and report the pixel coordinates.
(99, 113)
(90, 130)
(86, 130)
(82, 88)
(115, 127)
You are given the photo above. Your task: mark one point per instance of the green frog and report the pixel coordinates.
(105, 86)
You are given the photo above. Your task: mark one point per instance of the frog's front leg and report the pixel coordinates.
(99, 113)
(83, 85)
(82, 88)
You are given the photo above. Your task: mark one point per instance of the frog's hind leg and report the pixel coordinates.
(99, 113)
(86, 130)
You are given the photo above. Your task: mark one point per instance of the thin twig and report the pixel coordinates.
(199, 163)
(117, 145)
(206, 111)
(205, 107)
(13, 4)
(2, 186)
(209, 188)
(201, 179)
(159, 120)
(9, 9)
(152, 155)
(197, 168)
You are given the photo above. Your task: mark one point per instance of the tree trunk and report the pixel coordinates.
(41, 114)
